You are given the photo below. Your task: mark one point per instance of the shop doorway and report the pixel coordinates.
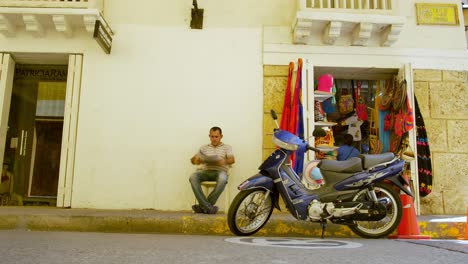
(36, 123)
(346, 79)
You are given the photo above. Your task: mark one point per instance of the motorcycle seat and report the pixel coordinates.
(351, 165)
(371, 160)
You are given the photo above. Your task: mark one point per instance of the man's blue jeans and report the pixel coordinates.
(208, 175)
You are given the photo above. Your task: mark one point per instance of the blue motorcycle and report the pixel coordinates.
(359, 192)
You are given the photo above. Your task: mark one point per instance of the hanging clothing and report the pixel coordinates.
(424, 154)
(354, 127)
(286, 115)
(384, 135)
(297, 103)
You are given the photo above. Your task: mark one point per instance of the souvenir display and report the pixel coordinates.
(345, 102)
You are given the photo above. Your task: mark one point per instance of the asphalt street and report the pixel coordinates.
(79, 247)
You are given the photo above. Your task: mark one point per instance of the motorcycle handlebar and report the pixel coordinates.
(309, 147)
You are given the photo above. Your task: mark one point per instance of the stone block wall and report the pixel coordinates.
(442, 97)
(275, 79)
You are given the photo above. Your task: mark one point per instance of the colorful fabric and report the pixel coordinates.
(297, 102)
(424, 154)
(361, 108)
(286, 116)
(384, 136)
(354, 127)
(296, 98)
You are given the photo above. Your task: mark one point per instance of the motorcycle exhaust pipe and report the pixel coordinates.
(385, 201)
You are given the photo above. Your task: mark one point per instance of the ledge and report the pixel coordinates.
(38, 21)
(336, 25)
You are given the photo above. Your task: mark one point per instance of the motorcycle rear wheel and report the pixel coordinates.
(247, 214)
(385, 226)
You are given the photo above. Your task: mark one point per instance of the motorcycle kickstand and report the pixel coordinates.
(323, 224)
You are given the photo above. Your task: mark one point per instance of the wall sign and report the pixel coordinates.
(437, 14)
(102, 36)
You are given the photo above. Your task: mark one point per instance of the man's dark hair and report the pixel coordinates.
(215, 128)
(348, 139)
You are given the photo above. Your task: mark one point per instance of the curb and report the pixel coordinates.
(150, 221)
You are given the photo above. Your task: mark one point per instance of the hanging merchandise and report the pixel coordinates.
(375, 145)
(286, 116)
(330, 108)
(319, 113)
(361, 108)
(409, 119)
(404, 119)
(297, 116)
(384, 135)
(389, 121)
(386, 95)
(345, 102)
(399, 96)
(395, 142)
(325, 83)
(295, 101)
(424, 154)
(354, 127)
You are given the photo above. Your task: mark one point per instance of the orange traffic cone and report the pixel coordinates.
(408, 228)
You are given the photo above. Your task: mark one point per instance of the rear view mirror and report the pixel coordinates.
(273, 114)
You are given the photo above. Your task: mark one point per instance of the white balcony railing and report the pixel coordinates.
(88, 4)
(346, 4)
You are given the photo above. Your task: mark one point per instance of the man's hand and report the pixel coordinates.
(196, 160)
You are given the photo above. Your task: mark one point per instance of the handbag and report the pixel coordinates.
(346, 102)
(361, 108)
(404, 120)
(386, 96)
(399, 96)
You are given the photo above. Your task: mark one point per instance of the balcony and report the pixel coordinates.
(37, 17)
(356, 20)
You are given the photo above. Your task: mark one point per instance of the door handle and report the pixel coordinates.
(21, 143)
(24, 139)
(25, 142)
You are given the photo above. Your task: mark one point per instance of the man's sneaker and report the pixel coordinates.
(212, 210)
(196, 209)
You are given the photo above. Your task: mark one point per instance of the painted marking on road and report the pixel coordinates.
(293, 242)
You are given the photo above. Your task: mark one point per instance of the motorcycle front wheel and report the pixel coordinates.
(249, 211)
(385, 226)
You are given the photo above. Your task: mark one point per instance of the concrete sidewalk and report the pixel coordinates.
(186, 222)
